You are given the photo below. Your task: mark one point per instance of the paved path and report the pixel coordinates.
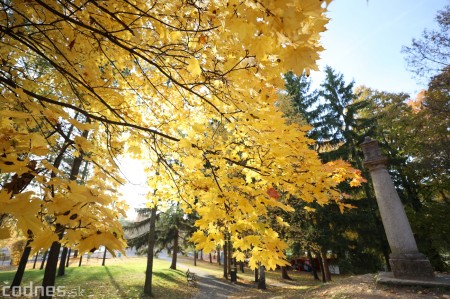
(210, 287)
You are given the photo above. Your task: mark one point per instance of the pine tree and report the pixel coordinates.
(338, 128)
(173, 230)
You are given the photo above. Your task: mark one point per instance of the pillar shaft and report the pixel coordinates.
(395, 222)
(406, 260)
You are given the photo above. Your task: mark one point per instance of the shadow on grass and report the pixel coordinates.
(71, 274)
(168, 276)
(115, 284)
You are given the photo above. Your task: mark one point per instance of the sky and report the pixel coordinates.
(364, 39)
(135, 190)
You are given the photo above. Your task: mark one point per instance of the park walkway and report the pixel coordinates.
(210, 286)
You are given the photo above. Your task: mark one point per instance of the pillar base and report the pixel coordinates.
(411, 265)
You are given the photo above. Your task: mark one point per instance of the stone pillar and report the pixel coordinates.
(405, 259)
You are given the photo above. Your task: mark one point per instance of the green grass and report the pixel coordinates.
(120, 278)
(124, 278)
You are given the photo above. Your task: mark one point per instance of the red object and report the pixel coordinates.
(273, 193)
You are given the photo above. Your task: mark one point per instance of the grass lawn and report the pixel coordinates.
(120, 278)
(124, 278)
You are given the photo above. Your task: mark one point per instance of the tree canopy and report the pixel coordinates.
(189, 86)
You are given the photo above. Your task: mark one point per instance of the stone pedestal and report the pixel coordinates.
(411, 266)
(406, 261)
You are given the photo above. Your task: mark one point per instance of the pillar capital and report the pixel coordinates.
(373, 159)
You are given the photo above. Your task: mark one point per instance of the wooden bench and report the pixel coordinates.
(190, 277)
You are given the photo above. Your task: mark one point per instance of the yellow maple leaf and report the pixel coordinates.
(194, 66)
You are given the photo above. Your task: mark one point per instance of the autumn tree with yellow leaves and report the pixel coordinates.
(189, 86)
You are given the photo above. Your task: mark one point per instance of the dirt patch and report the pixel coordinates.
(364, 286)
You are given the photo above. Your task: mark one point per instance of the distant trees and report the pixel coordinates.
(173, 230)
(332, 112)
(430, 55)
(413, 133)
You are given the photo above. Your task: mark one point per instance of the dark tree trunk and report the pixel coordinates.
(175, 251)
(241, 266)
(229, 254)
(218, 256)
(256, 275)
(104, 256)
(210, 257)
(321, 267)
(313, 267)
(325, 265)
(48, 282)
(50, 270)
(262, 278)
(75, 254)
(151, 245)
(201, 254)
(225, 260)
(195, 257)
(81, 259)
(43, 260)
(62, 262)
(68, 258)
(284, 273)
(22, 265)
(35, 260)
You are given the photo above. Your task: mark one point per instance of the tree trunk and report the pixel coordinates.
(48, 282)
(313, 267)
(321, 267)
(75, 254)
(81, 259)
(62, 262)
(43, 260)
(284, 273)
(256, 275)
(22, 265)
(218, 256)
(195, 257)
(35, 260)
(210, 257)
(68, 258)
(262, 278)
(104, 257)
(225, 260)
(229, 255)
(175, 251)
(151, 245)
(241, 266)
(201, 254)
(325, 265)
